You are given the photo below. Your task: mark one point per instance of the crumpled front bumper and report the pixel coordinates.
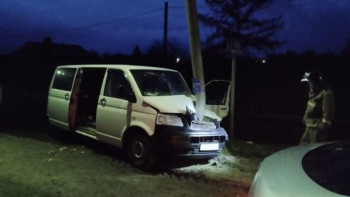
(184, 142)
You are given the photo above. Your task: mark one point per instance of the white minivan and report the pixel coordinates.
(146, 111)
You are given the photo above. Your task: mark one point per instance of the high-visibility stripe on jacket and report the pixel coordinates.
(320, 109)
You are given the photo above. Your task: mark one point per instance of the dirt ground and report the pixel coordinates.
(34, 164)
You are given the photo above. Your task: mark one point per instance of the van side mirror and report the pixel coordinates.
(127, 93)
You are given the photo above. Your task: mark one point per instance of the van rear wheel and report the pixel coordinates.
(140, 152)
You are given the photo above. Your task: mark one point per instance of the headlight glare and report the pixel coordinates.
(173, 120)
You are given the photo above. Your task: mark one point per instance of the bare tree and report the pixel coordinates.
(241, 20)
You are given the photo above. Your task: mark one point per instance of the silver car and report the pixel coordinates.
(319, 170)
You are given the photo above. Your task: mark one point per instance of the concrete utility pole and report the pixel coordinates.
(196, 57)
(234, 50)
(165, 36)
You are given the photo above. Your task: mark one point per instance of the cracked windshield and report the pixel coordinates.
(160, 83)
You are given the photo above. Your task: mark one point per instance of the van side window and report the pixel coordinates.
(117, 85)
(64, 78)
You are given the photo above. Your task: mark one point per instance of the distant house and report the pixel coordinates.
(39, 59)
(51, 54)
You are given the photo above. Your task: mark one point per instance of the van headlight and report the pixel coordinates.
(173, 120)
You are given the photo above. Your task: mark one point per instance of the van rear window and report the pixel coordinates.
(64, 78)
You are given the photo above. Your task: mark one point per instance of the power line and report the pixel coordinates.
(183, 7)
(99, 24)
(91, 25)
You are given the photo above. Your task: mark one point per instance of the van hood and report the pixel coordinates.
(170, 104)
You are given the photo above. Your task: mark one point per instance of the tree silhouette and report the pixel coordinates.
(137, 56)
(137, 51)
(155, 53)
(238, 20)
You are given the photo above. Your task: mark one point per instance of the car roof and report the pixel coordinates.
(116, 66)
(282, 174)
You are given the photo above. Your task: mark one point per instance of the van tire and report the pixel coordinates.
(140, 152)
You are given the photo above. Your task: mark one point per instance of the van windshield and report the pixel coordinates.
(160, 83)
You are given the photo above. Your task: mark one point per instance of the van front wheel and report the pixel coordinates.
(139, 151)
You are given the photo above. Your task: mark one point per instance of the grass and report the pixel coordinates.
(32, 167)
(251, 149)
(236, 165)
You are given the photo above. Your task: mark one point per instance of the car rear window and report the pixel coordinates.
(329, 166)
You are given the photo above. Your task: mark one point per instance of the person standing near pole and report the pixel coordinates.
(320, 109)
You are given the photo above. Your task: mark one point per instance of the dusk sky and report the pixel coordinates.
(116, 26)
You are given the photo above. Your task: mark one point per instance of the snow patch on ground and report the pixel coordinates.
(224, 169)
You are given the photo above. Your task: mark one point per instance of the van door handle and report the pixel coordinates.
(103, 102)
(223, 108)
(66, 96)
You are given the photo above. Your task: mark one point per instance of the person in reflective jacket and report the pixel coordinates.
(319, 110)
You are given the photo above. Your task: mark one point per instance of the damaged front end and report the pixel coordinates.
(190, 137)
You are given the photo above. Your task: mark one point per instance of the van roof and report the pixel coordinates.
(119, 66)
